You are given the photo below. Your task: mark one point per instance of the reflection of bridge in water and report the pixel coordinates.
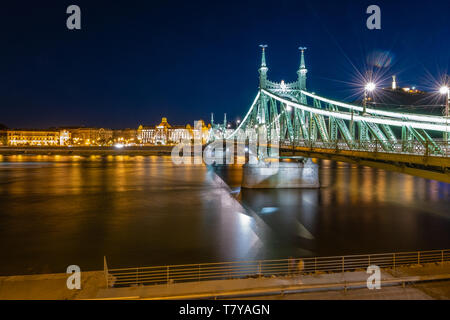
(309, 125)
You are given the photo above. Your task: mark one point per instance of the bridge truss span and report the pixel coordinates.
(310, 125)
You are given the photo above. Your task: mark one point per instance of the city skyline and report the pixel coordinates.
(59, 77)
(143, 135)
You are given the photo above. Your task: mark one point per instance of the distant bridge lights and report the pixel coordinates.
(283, 86)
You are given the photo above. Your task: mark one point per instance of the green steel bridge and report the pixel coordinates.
(310, 125)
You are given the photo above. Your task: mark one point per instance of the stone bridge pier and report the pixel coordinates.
(298, 173)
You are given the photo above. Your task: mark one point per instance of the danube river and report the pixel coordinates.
(56, 211)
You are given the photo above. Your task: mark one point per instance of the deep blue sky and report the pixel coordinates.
(136, 61)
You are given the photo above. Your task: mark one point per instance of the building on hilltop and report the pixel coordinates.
(406, 99)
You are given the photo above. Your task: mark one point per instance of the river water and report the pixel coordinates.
(56, 211)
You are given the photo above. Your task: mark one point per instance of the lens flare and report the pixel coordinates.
(380, 58)
(370, 86)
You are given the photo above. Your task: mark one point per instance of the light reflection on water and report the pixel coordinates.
(138, 211)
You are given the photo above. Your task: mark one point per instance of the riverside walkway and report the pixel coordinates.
(425, 281)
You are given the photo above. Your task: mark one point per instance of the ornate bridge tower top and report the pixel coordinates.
(263, 69)
(283, 88)
(301, 72)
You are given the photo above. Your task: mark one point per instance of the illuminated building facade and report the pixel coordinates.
(3, 135)
(34, 137)
(163, 134)
(91, 136)
(3, 138)
(166, 134)
(125, 136)
(64, 137)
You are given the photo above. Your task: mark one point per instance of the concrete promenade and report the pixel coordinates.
(428, 281)
(50, 286)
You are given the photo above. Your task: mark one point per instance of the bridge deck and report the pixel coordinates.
(426, 166)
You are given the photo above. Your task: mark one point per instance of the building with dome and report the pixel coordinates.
(167, 134)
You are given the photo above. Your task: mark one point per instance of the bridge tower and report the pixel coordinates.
(262, 115)
(224, 124)
(301, 72)
(263, 69)
(301, 118)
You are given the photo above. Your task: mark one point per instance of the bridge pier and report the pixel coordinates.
(292, 175)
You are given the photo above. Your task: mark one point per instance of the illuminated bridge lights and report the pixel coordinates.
(366, 118)
(407, 116)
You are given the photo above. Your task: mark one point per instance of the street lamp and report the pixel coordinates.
(370, 86)
(445, 90)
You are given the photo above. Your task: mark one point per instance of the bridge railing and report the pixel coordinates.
(266, 268)
(435, 148)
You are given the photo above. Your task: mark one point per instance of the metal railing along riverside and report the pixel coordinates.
(266, 268)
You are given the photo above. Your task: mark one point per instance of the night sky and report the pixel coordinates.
(136, 61)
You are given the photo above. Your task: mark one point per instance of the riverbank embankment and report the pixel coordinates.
(88, 151)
